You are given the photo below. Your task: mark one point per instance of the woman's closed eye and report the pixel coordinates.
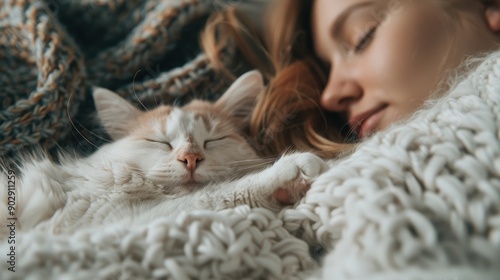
(212, 140)
(160, 142)
(363, 42)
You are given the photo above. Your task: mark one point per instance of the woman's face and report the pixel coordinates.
(386, 57)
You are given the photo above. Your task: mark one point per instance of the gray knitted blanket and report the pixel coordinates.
(419, 201)
(53, 51)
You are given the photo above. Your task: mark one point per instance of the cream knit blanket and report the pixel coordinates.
(419, 201)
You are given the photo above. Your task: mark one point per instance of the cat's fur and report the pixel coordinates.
(161, 162)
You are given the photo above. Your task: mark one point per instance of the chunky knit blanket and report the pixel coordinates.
(418, 201)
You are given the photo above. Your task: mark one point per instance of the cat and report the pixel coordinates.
(160, 163)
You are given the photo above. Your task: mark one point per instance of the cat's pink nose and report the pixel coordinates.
(191, 160)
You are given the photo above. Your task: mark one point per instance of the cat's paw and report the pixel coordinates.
(292, 192)
(295, 173)
(299, 165)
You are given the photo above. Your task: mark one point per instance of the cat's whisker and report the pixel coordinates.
(57, 144)
(135, 93)
(353, 130)
(251, 161)
(250, 166)
(256, 163)
(253, 164)
(177, 102)
(98, 136)
(156, 101)
(73, 124)
(350, 133)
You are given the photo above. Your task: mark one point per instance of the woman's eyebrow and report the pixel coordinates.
(338, 23)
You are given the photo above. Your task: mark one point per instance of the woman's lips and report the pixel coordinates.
(366, 123)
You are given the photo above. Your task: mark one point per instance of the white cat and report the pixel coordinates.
(161, 162)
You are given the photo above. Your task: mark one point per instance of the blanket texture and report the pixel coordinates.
(419, 201)
(53, 51)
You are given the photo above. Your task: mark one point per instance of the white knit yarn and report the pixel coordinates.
(240, 243)
(419, 201)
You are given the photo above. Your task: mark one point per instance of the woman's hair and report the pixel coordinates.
(287, 115)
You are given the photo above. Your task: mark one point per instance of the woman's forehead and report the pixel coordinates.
(324, 14)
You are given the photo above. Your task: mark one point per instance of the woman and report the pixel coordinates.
(420, 200)
(366, 64)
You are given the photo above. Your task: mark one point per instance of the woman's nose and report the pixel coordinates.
(340, 92)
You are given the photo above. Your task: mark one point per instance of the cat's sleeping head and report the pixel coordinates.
(183, 147)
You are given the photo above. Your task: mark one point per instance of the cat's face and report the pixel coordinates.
(181, 147)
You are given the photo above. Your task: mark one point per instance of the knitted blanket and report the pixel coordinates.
(53, 51)
(418, 201)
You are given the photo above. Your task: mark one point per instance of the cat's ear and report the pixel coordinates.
(239, 100)
(114, 112)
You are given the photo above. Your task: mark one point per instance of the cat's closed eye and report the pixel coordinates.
(160, 142)
(212, 140)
